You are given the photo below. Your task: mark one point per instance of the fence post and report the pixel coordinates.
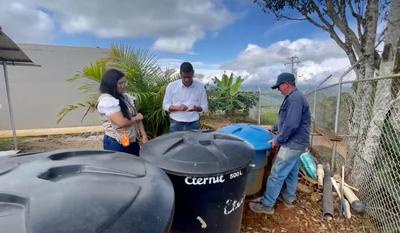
(337, 114)
(313, 116)
(315, 107)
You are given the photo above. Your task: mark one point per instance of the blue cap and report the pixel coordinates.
(282, 78)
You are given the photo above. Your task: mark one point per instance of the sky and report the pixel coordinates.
(216, 36)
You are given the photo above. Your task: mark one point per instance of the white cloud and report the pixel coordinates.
(26, 23)
(176, 25)
(319, 58)
(203, 72)
(178, 44)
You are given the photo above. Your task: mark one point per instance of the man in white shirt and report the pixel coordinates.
(185, 99)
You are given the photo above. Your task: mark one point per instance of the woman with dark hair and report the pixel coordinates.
(122, 123)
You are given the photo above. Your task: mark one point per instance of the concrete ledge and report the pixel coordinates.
(51, 131)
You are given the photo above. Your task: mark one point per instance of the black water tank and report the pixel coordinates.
(209, 174)
(83, 192)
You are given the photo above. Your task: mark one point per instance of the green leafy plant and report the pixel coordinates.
(146, 81)
(225, 95)
(269, 116)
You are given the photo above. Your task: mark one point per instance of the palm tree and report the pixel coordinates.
(146, 81)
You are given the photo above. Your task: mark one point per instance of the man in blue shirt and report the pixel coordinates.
(293, 139)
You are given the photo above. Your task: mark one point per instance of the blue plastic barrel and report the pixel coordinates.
(259, 138)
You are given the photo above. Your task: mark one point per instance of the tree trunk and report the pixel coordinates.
(383, 100)
(363, 98)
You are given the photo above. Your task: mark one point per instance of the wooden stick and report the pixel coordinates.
(335, 185)
(351, 187)
(347, 185)
(342, 181)
(342, 193)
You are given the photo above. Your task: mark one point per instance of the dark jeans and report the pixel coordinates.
(110, 143)
(181, 126)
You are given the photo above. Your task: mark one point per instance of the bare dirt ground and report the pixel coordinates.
(304, 218)
(42, 144)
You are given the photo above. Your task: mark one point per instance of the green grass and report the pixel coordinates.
(269, 117)
(6, 143)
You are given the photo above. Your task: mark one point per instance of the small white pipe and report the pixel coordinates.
(320, 174)
(350, 194)
(347, 212)
(355, 203)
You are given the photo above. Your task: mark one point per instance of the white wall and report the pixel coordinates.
(38, 93)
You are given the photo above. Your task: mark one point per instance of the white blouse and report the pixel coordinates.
(108, 105)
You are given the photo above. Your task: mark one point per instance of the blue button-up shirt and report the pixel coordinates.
(294, 122)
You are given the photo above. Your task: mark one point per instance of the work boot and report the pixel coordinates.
(288, 204)
(257, 200)
(260, 208)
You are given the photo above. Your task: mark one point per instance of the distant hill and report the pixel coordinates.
(273, 98)
(270, 98)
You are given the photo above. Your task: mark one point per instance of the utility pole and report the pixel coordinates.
(293, 60)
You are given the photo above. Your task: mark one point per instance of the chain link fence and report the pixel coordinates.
(356, 124)
(267, 108)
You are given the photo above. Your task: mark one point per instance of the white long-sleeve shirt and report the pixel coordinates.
(176, 93)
